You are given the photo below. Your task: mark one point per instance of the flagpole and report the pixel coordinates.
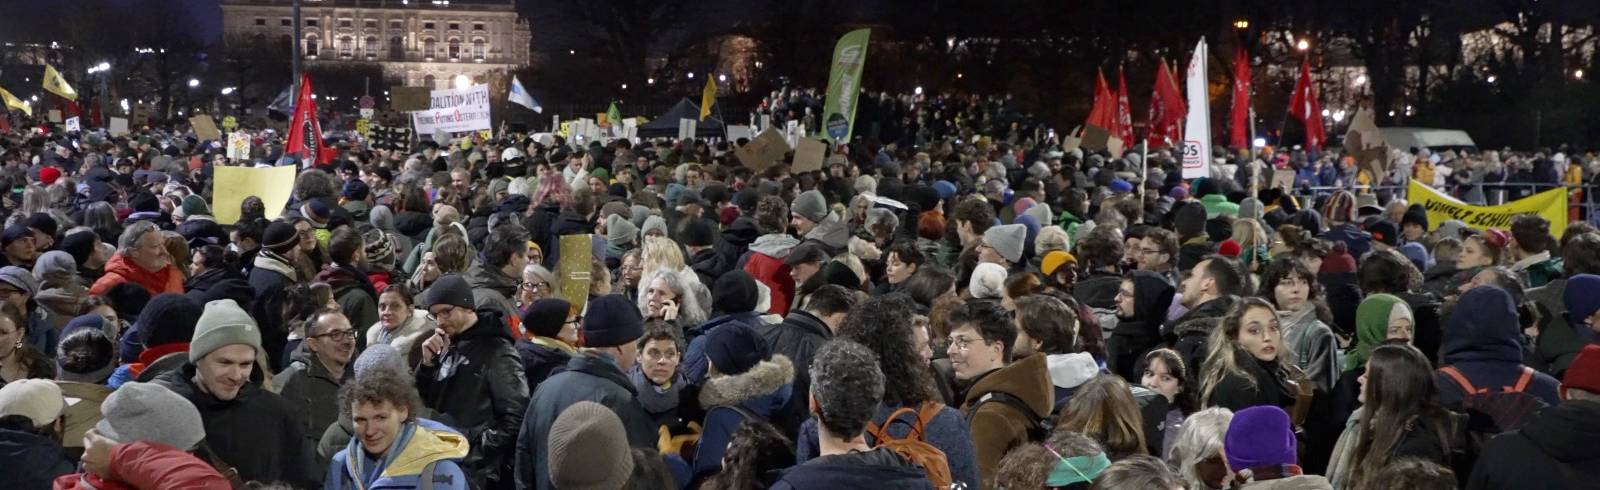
(295, 52)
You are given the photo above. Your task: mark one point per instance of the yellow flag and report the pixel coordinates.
(13, 102)
(54, 84)
(708, 97)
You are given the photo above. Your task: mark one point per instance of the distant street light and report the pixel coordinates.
(1302, 45)
(650, 81)
(103, 66)
(462, 81)
(227, 90)
(691, 75)
(724, 78)
(1577, 74)
(1491, 78)
(1259, 143)
(958, 75)
(1361, 80)
(194, 82)
(918, 91)
(1241, 24)
(624, 86)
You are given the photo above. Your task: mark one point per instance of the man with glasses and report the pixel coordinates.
(980, 353)
(1156, 252)
(316, 372)
(472, 377)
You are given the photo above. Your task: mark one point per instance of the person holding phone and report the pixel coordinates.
(667, 298)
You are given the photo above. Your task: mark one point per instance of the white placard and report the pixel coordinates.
(740, 131)
(686, 128)
(630, 129)
(791, 133)
(766, 122)
(73, 125)
(455, 111)
(119, 126)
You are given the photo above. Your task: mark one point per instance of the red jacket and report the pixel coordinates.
(121, 269)
(772, 272)
(148, 466)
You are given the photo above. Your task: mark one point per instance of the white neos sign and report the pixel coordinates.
(455, 111)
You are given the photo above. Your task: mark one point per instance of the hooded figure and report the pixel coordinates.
(1133, 336)
(1484, 346)
(1372, 326)
(751, 384)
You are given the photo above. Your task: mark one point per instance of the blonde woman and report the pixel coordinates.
(658, 254)
(1247, 364)
(1253, 243)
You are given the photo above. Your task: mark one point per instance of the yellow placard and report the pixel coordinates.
(1551, 204)
(273, 185)
(575, 268)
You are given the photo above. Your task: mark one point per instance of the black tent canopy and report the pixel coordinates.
(666, 125)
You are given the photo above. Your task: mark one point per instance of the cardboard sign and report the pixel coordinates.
(55, 116)
(575, 268)
(1095, 138)
(239, 146)
(686, 128)
(205, 128)
(232, 184)
(1282, 179)
(119, 126)
(808, 155)
(408, 99)
(73, 125)
(763, 152)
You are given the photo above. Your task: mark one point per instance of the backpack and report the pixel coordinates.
(914, 446)
(1490, 413)
(1038, 430)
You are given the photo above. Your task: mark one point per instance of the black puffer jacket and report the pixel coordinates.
(1553, 450)
(256, 432)
(478, 388)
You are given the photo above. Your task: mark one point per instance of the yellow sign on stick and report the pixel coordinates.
(233, 184)
(575, 268)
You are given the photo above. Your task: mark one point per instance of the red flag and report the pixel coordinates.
(1304, 106)
(1239, 131)
(305, 132)
(1124, 123)
(1103, 112)
(1166, 110)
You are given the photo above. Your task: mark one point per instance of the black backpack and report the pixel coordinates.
(1493, 411)
(1038, 430)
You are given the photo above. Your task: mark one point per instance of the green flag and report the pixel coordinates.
(613, 116)
(844, 85)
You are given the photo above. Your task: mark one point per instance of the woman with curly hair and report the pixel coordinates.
(757, 450)
(884, 325)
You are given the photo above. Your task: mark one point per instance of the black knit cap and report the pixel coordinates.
(697, 232)
(1415, 215)
(545, 317)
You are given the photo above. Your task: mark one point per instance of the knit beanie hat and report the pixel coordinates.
(1385, 232)
(380, 357)
(223, 324)
(1417, 254)
(1582, 298)
(1341, 206)
(620, 231)
(37, 399)
(44, 223)
(19, 278)
(1250, 208)
(80, 245)
(987, 281)
(450, 290)
(1054, 260)
(149, 412)
(1451, 228)
(48, 175)
(1040, 212)
(1415, 215)
(637, 215)
(653, 223)
(380, 246)
(168, 318)
(1229, 248)
(195, 205)
(1007, 240)
(610, 321)
(279, 235)
(545, 317)
(589, 449)
(1584, 373)
(697, 232)
(810, 205)
(945, 189)
(734, 348)
(734, 292)
(1191, 219)
(1259, 436)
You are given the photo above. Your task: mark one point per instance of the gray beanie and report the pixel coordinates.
(987, 281)
(55, 264)
(620, 231)
(1250, 208)
(589, 449)
(810, 205)
(1450, 229)
(19, 278)
(1041, 212)
(1007, 239)
(653, 223)
(148, 412)
(380, 357)
(637, 214)
(223, 323)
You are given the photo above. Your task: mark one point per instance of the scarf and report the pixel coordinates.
(276, 263)
(653, 398)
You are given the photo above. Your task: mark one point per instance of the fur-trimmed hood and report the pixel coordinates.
(764, 388)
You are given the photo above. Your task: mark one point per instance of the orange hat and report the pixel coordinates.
(1054, 260)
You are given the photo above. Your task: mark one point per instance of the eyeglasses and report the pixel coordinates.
(575, 321)
(534, 287)
(434, 316)
(337, 334)
(963, 343)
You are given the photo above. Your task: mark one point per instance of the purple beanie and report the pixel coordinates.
(1259, 436)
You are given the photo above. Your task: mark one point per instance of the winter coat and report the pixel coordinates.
(1484, 344)
(947, 432)
(765, 264)
(694, 357)
(356, 296)
(709, 265)
(797, 338)
(420, 443)
(413, 224)
(493, 289)
(313, 392)
(763, 391)
(565, 223)
(1559, 342)
(121, 269)
(202, 229)
(220, 283)
(1297, 482)
(405, 336)
(477, 387)
(1357, 242)
(1264, 385)
(257, 432)
(998, 427)
(1421, 440)
(1538, 269)
(1191, 332)
(591, 377)
(1067, 373)
(1135, 336)
(881, 469)
(1554, 449)
(148, 466)
(543, 357)
(80, 416)
(31, 462)
(1313, 347)
(272, 276)
(359, 211)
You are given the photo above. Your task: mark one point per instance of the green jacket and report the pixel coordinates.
(1217, 204)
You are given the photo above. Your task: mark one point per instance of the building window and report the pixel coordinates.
(427, 25)
(477, 27)
(479, 49)
(397, 48)
(285, 22)
(311, 22)
(428, 81)
(455, 48)
(347, 47)
(344, 23)
(370, 24)
(455, 26)
(261, 21)
(394, 24)
(429, 46)
(311, 46)
(371, 48)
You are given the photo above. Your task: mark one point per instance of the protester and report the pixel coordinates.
(396, 448)
(550, 332)
(1004, 401)
(316, 372)
(30, 434)
(1552, 450)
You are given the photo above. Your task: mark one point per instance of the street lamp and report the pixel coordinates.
(1241, 24)
(1577, 74)
(103, 66)
(691, 75)
(227, 90)
(724, 78)
(650, 81)
(194, 82)
(918, 91)
(1302, 45)
(462, 81)
(1361, 80)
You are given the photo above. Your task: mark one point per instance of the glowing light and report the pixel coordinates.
(194, 82)
(1302, 45)
(691, 75)
(1491, 79)
(1259, 143)
(918, 91)
(1361, 80)
(724, 78)
(1241, 24)
(461, 81)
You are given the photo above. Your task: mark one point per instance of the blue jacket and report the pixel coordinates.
(763, 391)
(879, 469)
(1356, 241)
(1482, 342)
(420, 443)
(589, 377)
(694, 358)
(31, 462)
(948, 431)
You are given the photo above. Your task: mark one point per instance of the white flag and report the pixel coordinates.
(1197, 126)
(521, 97)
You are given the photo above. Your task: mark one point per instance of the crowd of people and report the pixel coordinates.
(970, 307)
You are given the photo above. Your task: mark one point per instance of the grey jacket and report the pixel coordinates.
(1313, 346)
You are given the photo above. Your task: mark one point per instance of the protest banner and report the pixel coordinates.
(55, 116)
(73, 125)
(233, 184)
(238, 145)
(205, 128)
(1197, 123)
(1365, 143)
(1551, 204)
(455, 111)
(407, 99)
(575, 268)
(762, 152)
(808, 155)
(844, 86)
